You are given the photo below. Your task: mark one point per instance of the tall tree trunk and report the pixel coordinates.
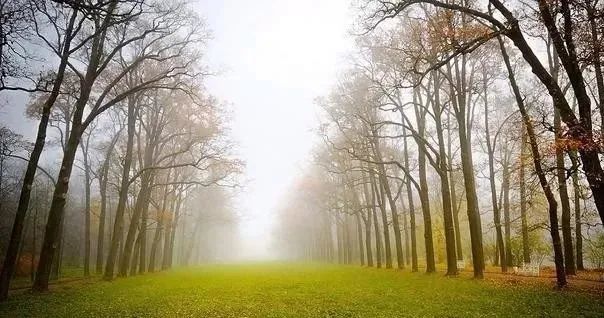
(348, 239)
(411, 209)
(360, 239)
(339, 236)
(454, 203)
(34, 242)
(577, 208)
(459, 91)
(506, 210)
(405, 228)
(144, 217)
(423, 190)
(118, 227)
(526, 250)
(135, 259)
(103, 180)
(142, 202)
(494, 203)
(52, 235)
(425, 203)
(367, 219)
(596, 45)
(551, 200)
(379, 194)
(378, 237)
(567, 238)
(159, 229)
(445, 188)
(55, 271)
(87, 243)
(569, 258)
(383, 180)
(10, 258)
(168, 257)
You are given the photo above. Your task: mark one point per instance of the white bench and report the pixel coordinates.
(461, 264)
(527, 269)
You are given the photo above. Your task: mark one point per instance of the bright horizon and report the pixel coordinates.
(274, 58)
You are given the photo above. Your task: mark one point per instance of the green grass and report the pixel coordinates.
(298, 290)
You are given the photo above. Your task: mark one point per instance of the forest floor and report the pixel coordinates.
(303, 290)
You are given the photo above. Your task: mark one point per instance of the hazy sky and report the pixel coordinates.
(277, 56)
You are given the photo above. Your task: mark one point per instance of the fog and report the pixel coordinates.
(287, 156)
(274, 61)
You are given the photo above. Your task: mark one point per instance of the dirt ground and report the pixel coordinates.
(589, 281)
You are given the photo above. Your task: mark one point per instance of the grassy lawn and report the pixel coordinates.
(298, 290)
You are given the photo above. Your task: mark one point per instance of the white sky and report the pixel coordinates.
(277, 56)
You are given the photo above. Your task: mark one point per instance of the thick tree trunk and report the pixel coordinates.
(494, 203)
(569, 257)
(526, 250)
(424, 197)
(56, 214)
(379, 194)
(551, 200)
(459, 104)
(445, 188)
(453, 191)
(10, 258)
(103, 179)
(135, 259)
(577, 209)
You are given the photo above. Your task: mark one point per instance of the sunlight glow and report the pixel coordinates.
(277, 56)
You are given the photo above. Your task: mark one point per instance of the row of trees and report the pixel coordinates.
(438, 113)
(126, 102)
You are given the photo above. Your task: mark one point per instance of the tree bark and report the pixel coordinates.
(454, 203)
(494, 203)
(87, 243)
(551, 200)
(443, 172)
(57, 208)
(506, 210)
(103, 180)
(385, 186)
(118, 227)
(459, 101)
(32, 165)
(360, 239)
(577, 209)
(379, 194)
(526, 250)
(378, 237)
(411, 208)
